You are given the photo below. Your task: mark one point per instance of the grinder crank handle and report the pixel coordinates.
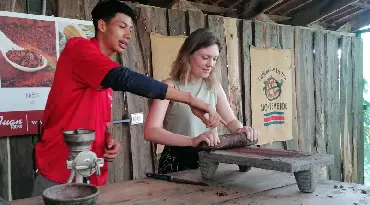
(73, 173)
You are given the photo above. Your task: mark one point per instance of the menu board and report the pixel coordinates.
(29, 49)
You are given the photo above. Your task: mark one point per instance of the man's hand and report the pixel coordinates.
(111, 147)
(214, 117)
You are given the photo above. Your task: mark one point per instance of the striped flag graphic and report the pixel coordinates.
(273, 118)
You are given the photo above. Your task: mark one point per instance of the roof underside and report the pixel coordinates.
(329, 14)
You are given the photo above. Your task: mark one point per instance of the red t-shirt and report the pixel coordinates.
(75, 101)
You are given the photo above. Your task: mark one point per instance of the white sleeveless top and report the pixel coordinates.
(180, 120)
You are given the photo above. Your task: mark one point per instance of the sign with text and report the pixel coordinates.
(271, 91)
(29, 48)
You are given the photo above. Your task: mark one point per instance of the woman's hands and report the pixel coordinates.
(252, 134)
(212, 138)
(209, 137)
(214, 117)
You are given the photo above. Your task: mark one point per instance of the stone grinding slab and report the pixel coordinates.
(304, 165)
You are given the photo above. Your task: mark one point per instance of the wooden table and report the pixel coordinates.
(229, 186)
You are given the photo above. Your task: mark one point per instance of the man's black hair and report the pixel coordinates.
(107, 9)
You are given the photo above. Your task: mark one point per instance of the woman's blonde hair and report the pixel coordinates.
(200, 38)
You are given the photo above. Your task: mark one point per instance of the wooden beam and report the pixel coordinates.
(235, 3)
(347, 18)
(345, 28)
(160, 3)
(272, 5)
(360, 20)
(205, 7)
(277, 18)
(185, 5)
(361, 5)
(255, 7)
(317, 10)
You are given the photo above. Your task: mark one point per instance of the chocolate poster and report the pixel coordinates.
(29, 49)
(271, 91)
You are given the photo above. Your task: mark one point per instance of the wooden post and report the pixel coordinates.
(151, 19)
(319, 69)
(5, 171)
(332, 105)
(247, 40)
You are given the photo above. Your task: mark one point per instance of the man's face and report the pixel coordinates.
(116, 33)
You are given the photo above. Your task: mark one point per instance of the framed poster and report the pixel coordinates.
(29, 49)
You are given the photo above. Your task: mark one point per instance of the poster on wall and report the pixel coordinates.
(271, 91)
(29, 49)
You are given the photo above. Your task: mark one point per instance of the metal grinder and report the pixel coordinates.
(82, 162)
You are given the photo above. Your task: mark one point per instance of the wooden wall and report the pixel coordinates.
(328, 115)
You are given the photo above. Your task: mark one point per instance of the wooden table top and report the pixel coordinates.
(229, 186)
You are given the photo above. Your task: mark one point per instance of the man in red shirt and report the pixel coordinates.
(80, 96)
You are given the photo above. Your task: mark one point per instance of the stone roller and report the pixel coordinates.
(229, 141)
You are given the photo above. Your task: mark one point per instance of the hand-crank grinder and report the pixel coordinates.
(82, 162)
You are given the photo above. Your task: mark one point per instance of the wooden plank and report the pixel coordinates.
(274, 36)
(35, 7)
(51, 8)
(305, 90)
(196, 19)
(261, 32)
(13, 5)
(120, 168)
(88, 6)
(176, 22)
(6, 5)
(233, 58)
(216, 24)
(358, 125)
(142, 158)
(345, 107)
(209, 8)
(22, 177)
(319, 69)
(5, 182)
(150, 19)
(332, 106)
(239, 34)
(246, 37)
(228, 184)
(71, 9)
(325, 194)
(287, 42)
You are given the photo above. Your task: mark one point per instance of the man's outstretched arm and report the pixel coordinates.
(124, 79)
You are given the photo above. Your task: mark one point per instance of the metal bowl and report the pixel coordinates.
(71, 194)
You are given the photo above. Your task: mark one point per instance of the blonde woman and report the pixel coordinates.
(173, 124)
